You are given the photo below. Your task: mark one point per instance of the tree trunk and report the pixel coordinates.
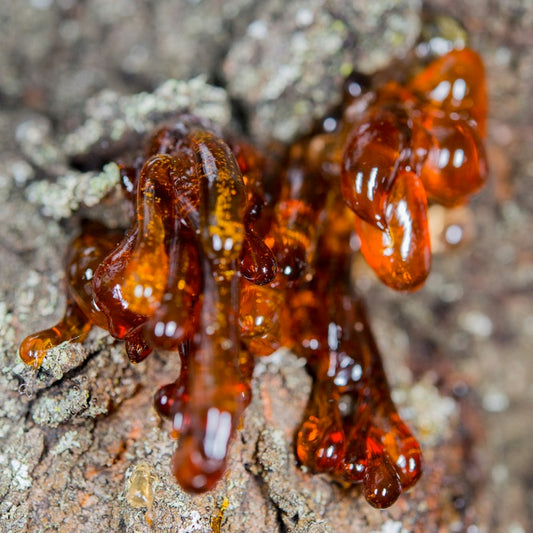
(80, 436)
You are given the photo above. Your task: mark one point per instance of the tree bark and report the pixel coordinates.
(77, 433)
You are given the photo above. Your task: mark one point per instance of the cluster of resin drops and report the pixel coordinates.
(232, 256)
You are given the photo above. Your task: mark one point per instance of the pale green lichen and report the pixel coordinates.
(52, 411)
(67, 442)
(112, 115)
(59, 199)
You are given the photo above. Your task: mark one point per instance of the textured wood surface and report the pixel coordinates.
(458, 353)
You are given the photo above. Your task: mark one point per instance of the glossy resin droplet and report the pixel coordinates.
(456, 164)
(139, 486)
(455, 83)
(400, 254)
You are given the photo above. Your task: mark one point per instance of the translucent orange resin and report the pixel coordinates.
(229, 256)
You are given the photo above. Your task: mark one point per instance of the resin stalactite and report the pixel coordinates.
(219, 269)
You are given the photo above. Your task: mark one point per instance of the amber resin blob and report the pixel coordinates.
(230, 256)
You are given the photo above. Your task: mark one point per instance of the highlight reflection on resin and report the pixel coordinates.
(231, 256)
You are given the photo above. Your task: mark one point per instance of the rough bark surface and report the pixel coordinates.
(457, 352)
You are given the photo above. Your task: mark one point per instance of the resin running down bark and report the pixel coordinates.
(231, 256)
